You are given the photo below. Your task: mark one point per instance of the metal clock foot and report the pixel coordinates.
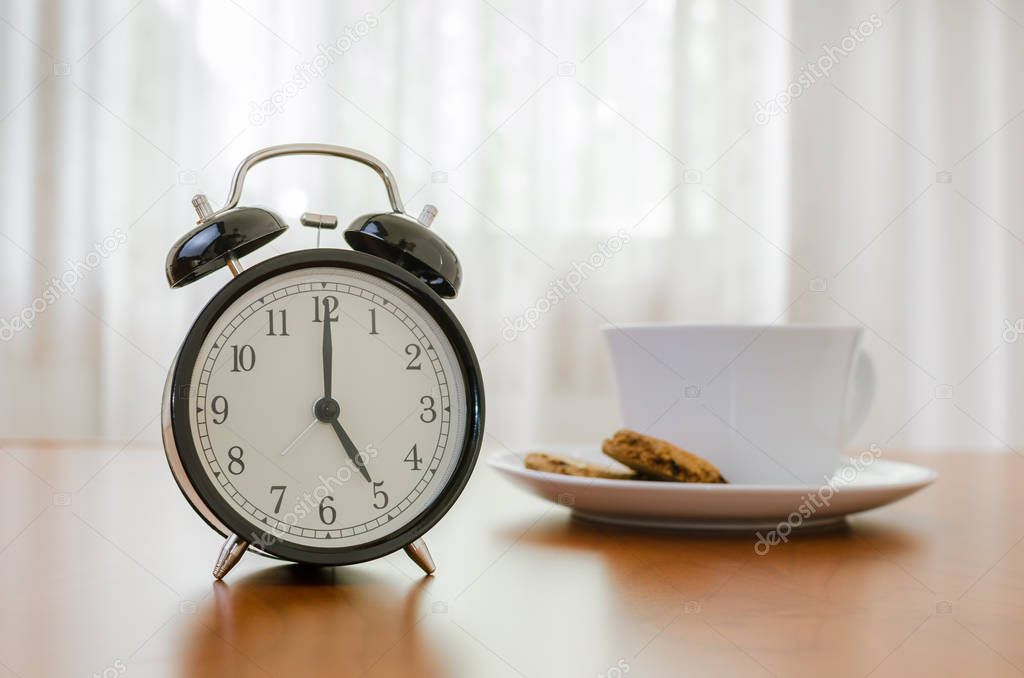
(420, 555)
(232, 551)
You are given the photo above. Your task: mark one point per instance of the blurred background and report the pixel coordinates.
(720, 161)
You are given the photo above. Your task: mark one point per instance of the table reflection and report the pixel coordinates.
(297, 620)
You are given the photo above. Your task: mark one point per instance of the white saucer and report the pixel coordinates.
(693, 506)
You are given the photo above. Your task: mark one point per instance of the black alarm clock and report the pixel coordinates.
(326, 406)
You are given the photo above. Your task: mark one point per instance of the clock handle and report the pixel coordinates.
(312, 149)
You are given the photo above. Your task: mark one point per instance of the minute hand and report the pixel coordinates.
(350, 449)
(328, 350)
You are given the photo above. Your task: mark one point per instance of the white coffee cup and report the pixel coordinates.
(767, 404)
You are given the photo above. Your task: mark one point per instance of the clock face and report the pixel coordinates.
(328, 408)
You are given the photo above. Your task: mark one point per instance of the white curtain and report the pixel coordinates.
(613, 150)
(903, 200)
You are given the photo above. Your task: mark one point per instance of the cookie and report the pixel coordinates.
(549, 463)
(659, 458)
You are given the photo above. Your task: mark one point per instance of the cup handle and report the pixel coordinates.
(861, 394)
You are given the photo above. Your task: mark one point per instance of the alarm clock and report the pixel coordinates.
(326, 407)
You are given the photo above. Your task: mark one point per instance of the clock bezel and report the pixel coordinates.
(181, 404)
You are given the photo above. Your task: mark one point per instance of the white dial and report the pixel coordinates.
(330, 408)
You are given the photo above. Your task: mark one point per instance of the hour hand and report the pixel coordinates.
(350, 449)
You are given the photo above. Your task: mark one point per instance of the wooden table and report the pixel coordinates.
(106, 571)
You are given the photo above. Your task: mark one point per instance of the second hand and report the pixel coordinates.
(299, 437)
